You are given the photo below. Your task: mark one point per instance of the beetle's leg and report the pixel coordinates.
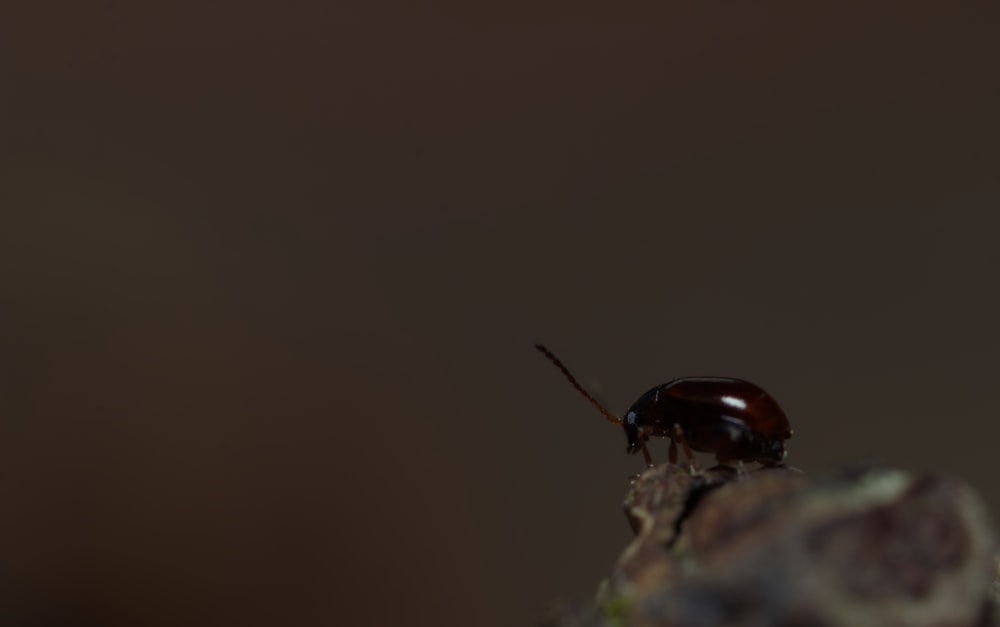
(678, 435)
(645, 453)
(673, 451)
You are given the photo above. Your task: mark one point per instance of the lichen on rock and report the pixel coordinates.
(863, 546)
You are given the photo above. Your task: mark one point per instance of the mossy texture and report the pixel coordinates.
(863, 546)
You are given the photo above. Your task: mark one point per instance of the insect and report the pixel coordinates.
(732, 418)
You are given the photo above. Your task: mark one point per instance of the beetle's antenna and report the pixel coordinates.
(579, 388)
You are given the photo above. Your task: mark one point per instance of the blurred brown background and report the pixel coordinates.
(270, 274)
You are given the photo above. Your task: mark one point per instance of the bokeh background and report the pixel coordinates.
(270, 274)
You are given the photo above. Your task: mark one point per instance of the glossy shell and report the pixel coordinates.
(730, 417)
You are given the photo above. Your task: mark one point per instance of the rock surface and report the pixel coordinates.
(865, 546)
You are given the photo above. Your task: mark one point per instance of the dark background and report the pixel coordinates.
(270, 275)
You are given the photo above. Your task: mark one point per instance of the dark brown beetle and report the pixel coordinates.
(732, 418)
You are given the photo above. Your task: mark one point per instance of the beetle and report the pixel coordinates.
(733, 418)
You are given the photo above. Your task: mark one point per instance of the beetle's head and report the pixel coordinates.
(632, 434)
